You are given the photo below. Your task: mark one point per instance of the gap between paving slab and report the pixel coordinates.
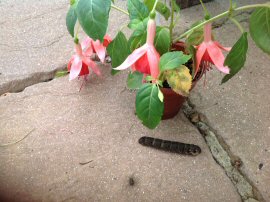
(19, 85)
(223, 156)
(220, 150)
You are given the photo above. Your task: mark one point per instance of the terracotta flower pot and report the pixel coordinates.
(173, 101)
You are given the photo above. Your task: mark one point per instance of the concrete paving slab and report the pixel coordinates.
(35, 42)
(98, 125)
(72, 128)
(239, 111)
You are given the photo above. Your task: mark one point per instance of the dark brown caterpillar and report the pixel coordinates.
(170, 146)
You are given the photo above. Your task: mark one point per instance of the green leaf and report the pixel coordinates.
(176, 6)
(192, 50)
(236, 57)
(93, 17)
(138, 37)
(172, 60)
(134, 24)
(149, 108)
(195, 38)
(162, 40)
(118, 49)
(137, 10)
(148, 78)
(71, 19)
(73, 2)
(134, 80)
(114, 72)
(136, 41)
(161, 8)
(149, 4)
(259, 27)
(140, 26)
(61, 73)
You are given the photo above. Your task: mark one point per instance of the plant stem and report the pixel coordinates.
(77, 31)
(206, 13)
(222, 15)
(172, 19)
(237, 24)
(120, 9)
(154, 7)
(231, 4)
(231, 8)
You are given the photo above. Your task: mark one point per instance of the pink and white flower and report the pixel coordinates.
(144, 59)
(80, 63)
(209, 52)
(90, 46)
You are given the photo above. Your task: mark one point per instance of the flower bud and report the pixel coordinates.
(76, 40)
(72, 2)
(153, 15)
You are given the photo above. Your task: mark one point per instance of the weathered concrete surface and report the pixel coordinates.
(239, 111)
(98, 124)
(35, 42)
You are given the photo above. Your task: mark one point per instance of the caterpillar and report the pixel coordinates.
(170, 146)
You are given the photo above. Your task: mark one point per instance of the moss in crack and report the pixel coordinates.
(223, 156)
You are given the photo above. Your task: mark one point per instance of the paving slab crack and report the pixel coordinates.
(19, 85)
(56, 40)
(221, 153)
(52, 42)
(241, 16)
(64, 6)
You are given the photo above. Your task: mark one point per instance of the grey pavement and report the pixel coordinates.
(239, 111)
(82, 146)
(98, 125)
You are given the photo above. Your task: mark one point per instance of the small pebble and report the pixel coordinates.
(237, 163)
(131, 181)
(260, 166)
(195, 118)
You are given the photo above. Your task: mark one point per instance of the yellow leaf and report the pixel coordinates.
(180, 80)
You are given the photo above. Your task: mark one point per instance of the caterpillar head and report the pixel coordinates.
(195, 150)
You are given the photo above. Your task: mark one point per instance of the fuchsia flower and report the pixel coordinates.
(90, 46)
(209, 52)
(80, 63)
(144, 59)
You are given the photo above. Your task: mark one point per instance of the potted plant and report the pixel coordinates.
(162, 67)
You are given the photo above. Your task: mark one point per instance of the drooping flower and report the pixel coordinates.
(144, 59)
(80, 63)
(90, 46)
(209, 52)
